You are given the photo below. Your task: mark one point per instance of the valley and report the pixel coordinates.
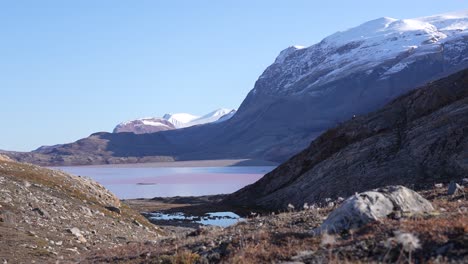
(303, 93)
(351, 150)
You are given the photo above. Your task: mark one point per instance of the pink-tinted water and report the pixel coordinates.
(144, 182)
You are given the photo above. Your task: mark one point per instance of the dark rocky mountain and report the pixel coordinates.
(419, 139)
(302, 94)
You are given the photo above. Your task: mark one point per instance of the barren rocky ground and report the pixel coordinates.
(48, 216)
(437, 237)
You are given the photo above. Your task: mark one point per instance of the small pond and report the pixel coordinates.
(222, 219)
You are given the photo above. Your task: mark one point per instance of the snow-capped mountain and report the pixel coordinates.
(308, 90)
(172, 121)
(397, 41)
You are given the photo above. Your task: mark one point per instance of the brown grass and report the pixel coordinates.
(287, 237)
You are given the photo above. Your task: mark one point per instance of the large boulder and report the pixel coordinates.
(369, 206)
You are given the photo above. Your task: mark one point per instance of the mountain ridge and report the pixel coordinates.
(304, 92)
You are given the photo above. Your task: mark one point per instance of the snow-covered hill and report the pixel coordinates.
(172, 121)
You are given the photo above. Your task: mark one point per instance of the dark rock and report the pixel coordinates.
(41, 212)
(454, 188)
(113, 209)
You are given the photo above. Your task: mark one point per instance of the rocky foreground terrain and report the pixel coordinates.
(434, 232)
(48, 216)
(419, 139)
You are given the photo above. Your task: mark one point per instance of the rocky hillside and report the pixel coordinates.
(304, 92)
(47, 215)
(418, 139)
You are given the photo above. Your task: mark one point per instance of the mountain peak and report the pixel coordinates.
(390, 41)
(172, 121)
(286, 52)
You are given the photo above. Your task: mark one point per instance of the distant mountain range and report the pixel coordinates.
(172, 121)
(306, 91)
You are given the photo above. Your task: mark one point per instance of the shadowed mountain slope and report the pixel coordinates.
(419, 139)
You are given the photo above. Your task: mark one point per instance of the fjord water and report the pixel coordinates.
(147, 182)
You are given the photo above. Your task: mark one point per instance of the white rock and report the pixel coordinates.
(365, 207)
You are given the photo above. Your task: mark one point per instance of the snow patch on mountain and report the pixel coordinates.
(180, 119)
(150, 122)
(212, 117)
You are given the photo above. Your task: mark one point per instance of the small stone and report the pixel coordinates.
(41, 212)
(73, 250)
(75, 231)
(135, 222)
(438, 185)
(81, 239)
(31, 233)
(87, 212)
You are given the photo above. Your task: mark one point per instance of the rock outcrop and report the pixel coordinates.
(365, 207)
(419, 139)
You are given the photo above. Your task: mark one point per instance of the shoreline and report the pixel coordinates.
(186, 164)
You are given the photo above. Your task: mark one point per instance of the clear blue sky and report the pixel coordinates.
(71, 68)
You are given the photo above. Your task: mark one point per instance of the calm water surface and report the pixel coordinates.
(147, 182)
